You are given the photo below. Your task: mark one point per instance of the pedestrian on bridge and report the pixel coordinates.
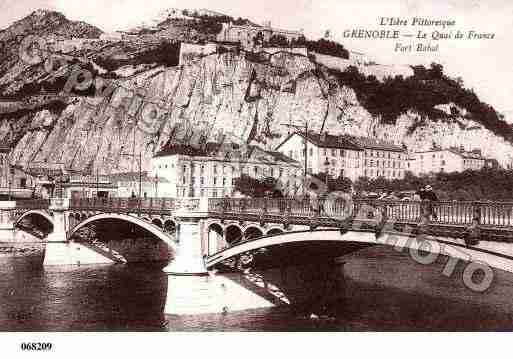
(427, 194)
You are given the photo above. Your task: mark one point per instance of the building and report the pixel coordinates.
(79, 186)
(211, 171)
(127, 184)
(345, 156)
(381, 158)
(244, 34)
(446, 160)
(336, 154)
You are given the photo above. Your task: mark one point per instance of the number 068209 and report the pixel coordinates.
(36, 346)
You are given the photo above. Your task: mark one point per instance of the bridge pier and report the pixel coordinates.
(188, 260)
(6, 220)
(61, 251)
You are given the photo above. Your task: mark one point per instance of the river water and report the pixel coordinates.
(385, 291)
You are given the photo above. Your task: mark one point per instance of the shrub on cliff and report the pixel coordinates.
(422, 92)
(322, 46)
(165, 53)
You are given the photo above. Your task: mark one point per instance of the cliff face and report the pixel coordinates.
(248, 100)
(249, 97)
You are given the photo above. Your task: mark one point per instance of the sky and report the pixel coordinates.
(484, 65)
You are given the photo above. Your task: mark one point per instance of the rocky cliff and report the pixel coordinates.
(250, 97)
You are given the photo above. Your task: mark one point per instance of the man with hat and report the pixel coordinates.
(428, 194)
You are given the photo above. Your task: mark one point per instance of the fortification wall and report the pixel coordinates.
(380, 71)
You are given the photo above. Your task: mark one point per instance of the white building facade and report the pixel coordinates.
(212, 173)
(445, 160)
(344, 156)
(382, 159)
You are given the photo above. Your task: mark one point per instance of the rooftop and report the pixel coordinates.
(474, 154)
(326, 140)
(375, 144)
(133, 177)
(226, 152)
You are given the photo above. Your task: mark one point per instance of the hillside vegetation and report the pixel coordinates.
(422, 92)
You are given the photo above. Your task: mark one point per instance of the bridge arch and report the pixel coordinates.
(274, 231)
(234, 234)
(35, 212)
(169, 226)
(157, 222)
(455, 248)
(253, 232)
(215, 237)
(129, 219)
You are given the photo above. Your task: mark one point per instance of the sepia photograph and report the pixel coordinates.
(274, 166)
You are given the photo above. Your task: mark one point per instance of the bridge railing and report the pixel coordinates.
(282, 206)
(113, 204)
(498, 214)
(403, 211)
(33, 203)
(462, 213)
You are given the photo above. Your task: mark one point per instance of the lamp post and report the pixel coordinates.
(327, 167)
(305, 149)
(156, 185)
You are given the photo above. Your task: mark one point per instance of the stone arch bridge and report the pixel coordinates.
(204, 234)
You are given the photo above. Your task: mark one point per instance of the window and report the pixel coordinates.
(184, 180)
(333, 152)
(202, 193)
(256, 170)
(215, 181)
(311, 151)
(224, 181)
(202, 169)
(214, 194)
(215, 169)
(23, 182)
(202, 180)
(325, 152)
(272, 172)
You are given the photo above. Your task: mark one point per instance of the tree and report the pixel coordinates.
(342, 184)
(254, 187)
(278, 41)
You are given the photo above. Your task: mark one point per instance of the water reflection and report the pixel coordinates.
(384, 290)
